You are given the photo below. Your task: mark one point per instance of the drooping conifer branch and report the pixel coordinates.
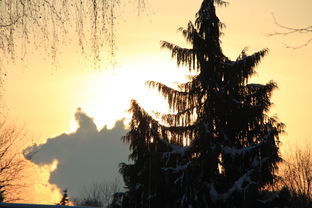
(241, 69)
(177, 100)
(184, 56)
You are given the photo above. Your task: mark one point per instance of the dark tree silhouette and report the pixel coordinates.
(65, 199)
(117, 200)
(218, 147)
(12, 164)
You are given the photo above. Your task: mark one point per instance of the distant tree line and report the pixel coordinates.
(295, 175)
(100, 194)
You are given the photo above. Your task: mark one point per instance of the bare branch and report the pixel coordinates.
(11, 23)
(290, 31)
(99, 194)
(299, 46)
(12, 163)
(296, 172)
(44, 24)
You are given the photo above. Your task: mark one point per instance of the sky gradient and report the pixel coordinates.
(45, 99)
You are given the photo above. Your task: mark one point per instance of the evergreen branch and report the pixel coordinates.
(259, 95)
(239, 185)
(255, 98)
(242, 54)
(164, 89)
(175, 149)
(254, 148)
(178, 168)
(177, 100)
(179, 129)
(222, 3)
(192, 86)
(184, 56)
(255, 58)
(244, 66)
(182, 118)
(257, 89)
(191, 34)
(188, 33)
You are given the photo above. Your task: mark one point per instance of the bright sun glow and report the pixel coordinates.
(107, 94)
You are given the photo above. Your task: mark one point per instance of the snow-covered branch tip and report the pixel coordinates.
(175, 149)
(239, 185)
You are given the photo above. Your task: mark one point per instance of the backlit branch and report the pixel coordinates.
(12, 164)
(292, 30)
(48, 24)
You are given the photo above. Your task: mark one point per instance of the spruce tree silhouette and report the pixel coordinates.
(220, 148)
(65, 199)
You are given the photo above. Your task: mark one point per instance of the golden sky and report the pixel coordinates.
(44, 99)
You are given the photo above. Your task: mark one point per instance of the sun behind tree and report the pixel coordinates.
(220, 147)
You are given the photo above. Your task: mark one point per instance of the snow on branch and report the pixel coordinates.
(248, 61)
(178, 168)
(241, 151)
(175, 149)
(237, 187)
(244, 150)
(179, 179)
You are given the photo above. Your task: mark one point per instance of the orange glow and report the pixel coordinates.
(45, 99)
(39, 190)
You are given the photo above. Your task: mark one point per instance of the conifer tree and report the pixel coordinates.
(220, 147)
(65, 199)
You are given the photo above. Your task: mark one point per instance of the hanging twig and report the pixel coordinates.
(291, 30)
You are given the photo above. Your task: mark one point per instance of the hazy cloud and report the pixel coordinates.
(85, 156)
(85, 123)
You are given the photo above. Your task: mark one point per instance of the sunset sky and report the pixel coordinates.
(45, 99)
